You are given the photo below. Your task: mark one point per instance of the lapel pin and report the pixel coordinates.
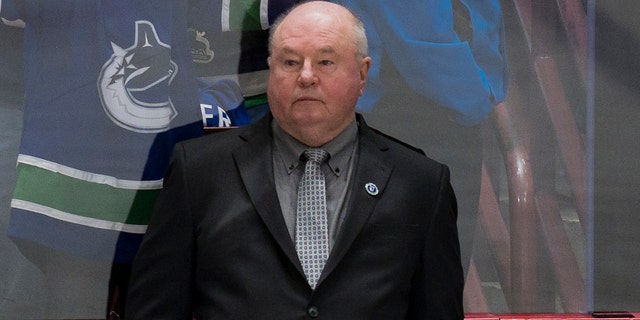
(371, 188)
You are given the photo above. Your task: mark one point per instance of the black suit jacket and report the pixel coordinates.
(217, 246)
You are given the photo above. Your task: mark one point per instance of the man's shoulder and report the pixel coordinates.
(397, 142)
(384, 138)
(409, 155)
(226, 137)
(208, 140)
(216, 147)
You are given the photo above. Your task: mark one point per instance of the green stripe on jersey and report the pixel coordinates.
(84, 198)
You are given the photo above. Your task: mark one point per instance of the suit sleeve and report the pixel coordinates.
(439, 282)
(161, 282)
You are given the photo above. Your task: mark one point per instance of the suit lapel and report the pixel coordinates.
(375, 167)
(255, 163)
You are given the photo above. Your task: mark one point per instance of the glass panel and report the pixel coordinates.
(532, 105)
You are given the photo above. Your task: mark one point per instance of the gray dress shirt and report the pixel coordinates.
(338, 171)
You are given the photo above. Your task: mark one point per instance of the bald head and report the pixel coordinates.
(314, 11)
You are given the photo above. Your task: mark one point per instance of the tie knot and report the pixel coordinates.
(316, 154)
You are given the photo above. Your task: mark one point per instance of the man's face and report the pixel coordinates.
(315, 76)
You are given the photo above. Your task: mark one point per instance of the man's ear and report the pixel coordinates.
(365, 65)
(269, 61)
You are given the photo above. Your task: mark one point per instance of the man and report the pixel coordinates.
(225, 240)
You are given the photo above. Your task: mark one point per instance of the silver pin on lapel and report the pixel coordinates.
(371, 188)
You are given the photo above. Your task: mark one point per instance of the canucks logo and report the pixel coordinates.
(134, 83)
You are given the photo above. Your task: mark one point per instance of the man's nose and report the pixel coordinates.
(307, 75)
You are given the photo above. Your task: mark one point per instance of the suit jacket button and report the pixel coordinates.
(312, 312)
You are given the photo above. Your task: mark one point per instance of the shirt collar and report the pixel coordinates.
(339, 149)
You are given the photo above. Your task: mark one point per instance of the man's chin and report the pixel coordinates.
(309, 115)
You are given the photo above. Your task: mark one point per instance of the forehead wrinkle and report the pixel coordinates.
(285, 49)
(327, 50)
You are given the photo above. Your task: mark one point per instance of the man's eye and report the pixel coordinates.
(326, 62)
(290, 63)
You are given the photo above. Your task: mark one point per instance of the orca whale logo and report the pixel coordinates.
(134, 83)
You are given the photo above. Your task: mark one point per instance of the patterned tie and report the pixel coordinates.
(312, 238)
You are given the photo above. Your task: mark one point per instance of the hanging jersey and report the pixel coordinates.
(109, 90)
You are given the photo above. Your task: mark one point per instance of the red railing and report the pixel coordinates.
(531, 238)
